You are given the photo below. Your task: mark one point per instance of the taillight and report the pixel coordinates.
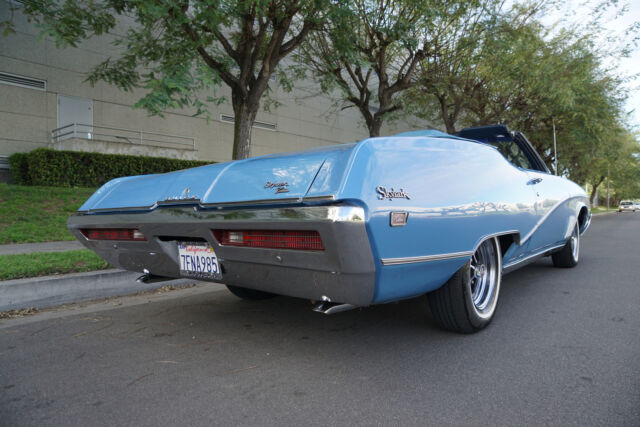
(113, 234)
(273, 239)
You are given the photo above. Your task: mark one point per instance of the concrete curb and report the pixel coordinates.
(49, 291)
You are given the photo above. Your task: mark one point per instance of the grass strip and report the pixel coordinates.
(46, 263)
(31, 214)
(598, 209)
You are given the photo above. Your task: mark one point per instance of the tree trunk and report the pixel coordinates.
(373, 123)
(595, 189)
(449, 119)
(374, 127)
(244, 118)
(451, 127)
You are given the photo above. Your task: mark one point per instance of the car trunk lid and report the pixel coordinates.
(279, 178)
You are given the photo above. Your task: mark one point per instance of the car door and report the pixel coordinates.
(550, 219)
(552, 212)
(551, 209)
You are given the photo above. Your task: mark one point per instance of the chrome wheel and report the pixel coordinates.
(575, 244)
(568, 256)
(467, 302)
(484, 271)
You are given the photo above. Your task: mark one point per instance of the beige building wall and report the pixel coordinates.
(305, 119)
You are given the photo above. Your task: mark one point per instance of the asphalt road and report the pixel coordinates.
(564, 349)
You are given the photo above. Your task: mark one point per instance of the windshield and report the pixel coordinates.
(626, 203)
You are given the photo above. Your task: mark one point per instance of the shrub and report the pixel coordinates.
(19, 168)
(49, 167)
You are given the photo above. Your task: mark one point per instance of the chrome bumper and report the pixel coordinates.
(343, 272)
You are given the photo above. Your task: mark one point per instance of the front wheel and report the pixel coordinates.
(570, 253)
(467, 302)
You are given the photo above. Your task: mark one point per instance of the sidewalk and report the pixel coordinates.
(49, 291)
(27, 248)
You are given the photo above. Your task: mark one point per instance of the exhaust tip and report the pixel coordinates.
(327, 307)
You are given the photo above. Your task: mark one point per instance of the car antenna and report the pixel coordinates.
(555, 152)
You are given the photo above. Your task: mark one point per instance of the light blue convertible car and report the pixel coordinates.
(351, 225)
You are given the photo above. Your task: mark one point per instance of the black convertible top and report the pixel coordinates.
(493, 133)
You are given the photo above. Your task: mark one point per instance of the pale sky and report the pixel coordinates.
(580, 12)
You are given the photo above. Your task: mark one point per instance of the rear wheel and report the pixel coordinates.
(570, 254)
(467, 302)
(249, 294)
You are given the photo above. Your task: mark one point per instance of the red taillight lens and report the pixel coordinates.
(274, 239)
(113, 234)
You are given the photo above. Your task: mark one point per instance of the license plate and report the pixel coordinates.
(198, 260)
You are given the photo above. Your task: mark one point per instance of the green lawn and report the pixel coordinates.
(37, 214)
(46, 263)
(600, 209)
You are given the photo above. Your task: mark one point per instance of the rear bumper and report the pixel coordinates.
(343, 272)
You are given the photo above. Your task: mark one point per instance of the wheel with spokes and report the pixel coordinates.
(569, 255)
(467, 302)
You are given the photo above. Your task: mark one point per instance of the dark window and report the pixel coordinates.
(512, 152)
(514, 146)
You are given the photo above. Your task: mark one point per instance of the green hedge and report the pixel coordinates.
(19, 168)
(55, 168)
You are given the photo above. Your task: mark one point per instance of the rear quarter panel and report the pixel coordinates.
(459, 193)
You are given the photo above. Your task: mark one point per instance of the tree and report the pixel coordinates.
(450, 78)
(176, 50)
(621, 164)
(371, 51)
(520, 75)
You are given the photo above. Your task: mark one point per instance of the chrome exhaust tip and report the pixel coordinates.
(152, 278)
(327, 307)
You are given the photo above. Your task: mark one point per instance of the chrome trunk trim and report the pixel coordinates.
(198, 203)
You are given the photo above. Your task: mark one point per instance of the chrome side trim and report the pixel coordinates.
(197, 202)
(513, 264)
(452, 255)
(426, 258)
(544, 218)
